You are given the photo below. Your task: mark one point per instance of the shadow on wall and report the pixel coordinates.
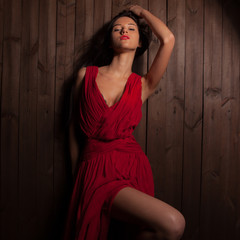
(232, 9)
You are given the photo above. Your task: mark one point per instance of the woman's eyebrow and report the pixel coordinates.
(121, 24)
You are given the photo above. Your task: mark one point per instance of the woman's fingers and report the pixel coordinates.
(136, 9)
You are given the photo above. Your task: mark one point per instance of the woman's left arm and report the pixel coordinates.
(167, 40)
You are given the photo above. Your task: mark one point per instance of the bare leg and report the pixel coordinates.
(150, 217)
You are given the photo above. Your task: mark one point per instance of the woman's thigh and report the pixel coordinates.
(138, 208)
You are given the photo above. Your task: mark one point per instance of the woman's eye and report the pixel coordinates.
(118, 29)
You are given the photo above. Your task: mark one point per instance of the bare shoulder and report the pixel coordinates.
(80, 76)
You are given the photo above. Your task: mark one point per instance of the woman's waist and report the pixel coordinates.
(128, 144)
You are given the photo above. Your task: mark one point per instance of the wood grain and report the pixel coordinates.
(220, 190)
(190, 129)
(175, 106)
(64, 67)
(45, 117)
(193, 114)
(28, 172)
(1, 46)
(156, 131)
(12, 20)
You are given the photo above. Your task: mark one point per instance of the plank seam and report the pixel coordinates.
(1, 89)
(203, 107)
(183, 129)
(19, 110)
(54, 105)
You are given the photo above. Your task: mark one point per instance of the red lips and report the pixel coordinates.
(123, 37)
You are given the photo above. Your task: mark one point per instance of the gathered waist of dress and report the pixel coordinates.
(93, 145)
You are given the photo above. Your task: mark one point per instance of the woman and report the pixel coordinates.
(114, 178)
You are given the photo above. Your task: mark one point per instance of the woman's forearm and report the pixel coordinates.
(157, 26)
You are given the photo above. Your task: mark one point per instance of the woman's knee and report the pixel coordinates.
(136, 207)
(175, 227)
(178, 226)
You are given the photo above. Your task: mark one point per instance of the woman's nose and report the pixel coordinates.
(124, 30)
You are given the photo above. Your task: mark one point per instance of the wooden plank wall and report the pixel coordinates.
(190, 128)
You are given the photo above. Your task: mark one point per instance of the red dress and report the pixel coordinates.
(111, 160)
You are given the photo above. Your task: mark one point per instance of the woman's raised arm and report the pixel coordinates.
(167, 40)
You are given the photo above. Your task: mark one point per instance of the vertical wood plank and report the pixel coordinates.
(156, 129)
(173, 155)
(1, 52)
(220, 191)
(102, 13)
(165, 131)
(212, 113)
(64, 68)
(229, 204)
(27, 123)
(12, 20)
(45, 117)
(84, 21)
(193, 117)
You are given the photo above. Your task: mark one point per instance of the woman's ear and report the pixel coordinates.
(140, 44)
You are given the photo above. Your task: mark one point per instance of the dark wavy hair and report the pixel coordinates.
(97, 52)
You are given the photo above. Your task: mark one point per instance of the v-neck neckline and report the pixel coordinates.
(101, 95)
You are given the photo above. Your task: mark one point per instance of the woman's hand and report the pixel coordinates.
(138, 10)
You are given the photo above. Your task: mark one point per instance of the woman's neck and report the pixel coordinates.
(121, 65)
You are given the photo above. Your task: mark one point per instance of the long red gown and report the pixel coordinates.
(111, 160)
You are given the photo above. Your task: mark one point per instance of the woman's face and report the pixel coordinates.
(125, 35)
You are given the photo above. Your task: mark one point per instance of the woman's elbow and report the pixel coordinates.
(169, 40)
